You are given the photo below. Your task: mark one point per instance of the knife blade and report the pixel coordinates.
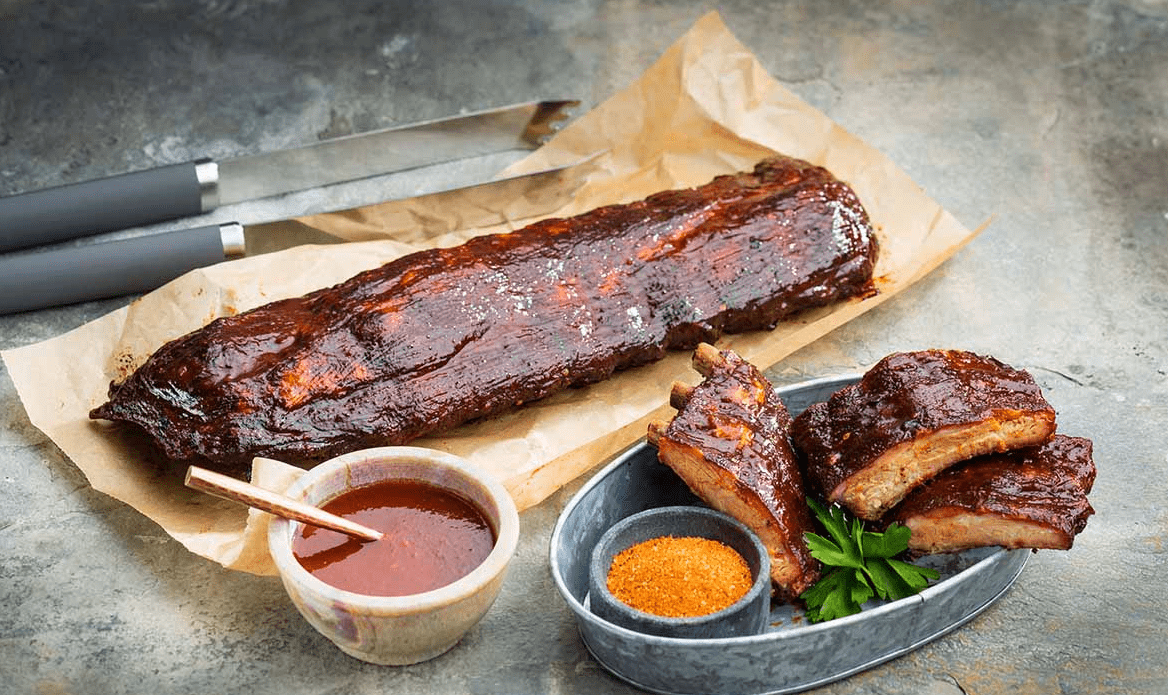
(66, 274)
(181, 190)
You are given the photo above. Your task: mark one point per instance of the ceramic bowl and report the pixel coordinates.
(747, 616)
(397, 630)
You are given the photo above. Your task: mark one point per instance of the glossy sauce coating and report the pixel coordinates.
(1046, 484)
(730, 442)
(909, 396)
(432, 538)
(447, 335)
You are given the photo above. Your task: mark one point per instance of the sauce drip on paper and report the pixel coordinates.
(432, 537)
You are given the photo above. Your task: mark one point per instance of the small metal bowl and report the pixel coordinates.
(747, 616)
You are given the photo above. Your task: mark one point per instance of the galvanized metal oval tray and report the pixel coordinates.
(792, 655)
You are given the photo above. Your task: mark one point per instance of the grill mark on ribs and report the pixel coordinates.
(910, 417)
(1029, 498)
(729, 442)
(443, 336)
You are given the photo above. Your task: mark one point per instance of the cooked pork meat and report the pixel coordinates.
(729, 442)
(1029, 498)
(447, 335)
(912, 416)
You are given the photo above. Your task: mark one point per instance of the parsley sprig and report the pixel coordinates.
(863, 564)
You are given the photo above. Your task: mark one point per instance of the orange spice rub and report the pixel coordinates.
(679, 577)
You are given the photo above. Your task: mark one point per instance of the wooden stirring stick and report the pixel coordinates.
(238, 491)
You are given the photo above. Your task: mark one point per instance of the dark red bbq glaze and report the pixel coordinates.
(1046, 484)
(433, 536)
(905, 396)
(443, 336)
(764, 467)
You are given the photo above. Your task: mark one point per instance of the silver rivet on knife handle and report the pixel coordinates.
(207, 174)
(233, 240)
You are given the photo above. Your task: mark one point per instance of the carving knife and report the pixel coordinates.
(65, 274)
(192, 188)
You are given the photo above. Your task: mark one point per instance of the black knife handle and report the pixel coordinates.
(118, 202)
(65, 275)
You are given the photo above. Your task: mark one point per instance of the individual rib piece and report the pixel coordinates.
(1029, 498)
(447, 335)
(911, 416)
(729, 442)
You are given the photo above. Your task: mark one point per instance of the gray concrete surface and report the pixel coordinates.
(1050, 117)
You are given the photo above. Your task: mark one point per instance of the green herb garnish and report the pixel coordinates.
(863, 565)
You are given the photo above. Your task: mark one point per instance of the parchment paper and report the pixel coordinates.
(705, 108)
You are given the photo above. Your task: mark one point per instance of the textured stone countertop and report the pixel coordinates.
(1050, 117)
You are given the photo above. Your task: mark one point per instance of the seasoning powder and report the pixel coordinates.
(679, 577)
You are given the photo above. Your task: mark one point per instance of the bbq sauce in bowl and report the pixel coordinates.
(397, 630)
(433, 537)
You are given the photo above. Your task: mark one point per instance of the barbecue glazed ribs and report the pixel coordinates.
(910, 417)
(729, 442)
(1030, 498)
(447, 335)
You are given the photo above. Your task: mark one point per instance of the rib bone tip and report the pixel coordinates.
(656, 431)
(680, 394)
(705, 357)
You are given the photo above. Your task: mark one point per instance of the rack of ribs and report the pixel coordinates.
(911, 416)
(447, 335)
(1030, 498)
(729, 442)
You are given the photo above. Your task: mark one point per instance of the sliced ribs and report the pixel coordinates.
(447, 335)
(1030, 498)
(729, 442)
(910, 417)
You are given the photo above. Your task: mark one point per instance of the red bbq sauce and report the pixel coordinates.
(433, 537)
